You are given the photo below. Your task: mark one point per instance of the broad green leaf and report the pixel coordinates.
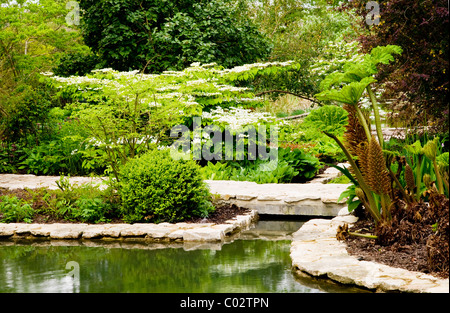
(415, 148)
(352, 206)
(384, 54)
(349, 94)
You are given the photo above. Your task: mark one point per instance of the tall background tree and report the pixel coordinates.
(33, 36)
(418, 81)
(169, 35)
(303, 31)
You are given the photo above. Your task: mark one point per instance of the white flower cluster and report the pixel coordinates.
(236, 118)
(77, 80)
(169, 87)
(230, 88)
(176, 87)
(173, 74)
(249, 99)
(98, 143)
(190, 101)
(171, 95)
(206, 94)
(104, 70)
(337, 54)
(196, 82)
(248, 67)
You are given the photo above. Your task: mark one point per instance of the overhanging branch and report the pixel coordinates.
(288, 92)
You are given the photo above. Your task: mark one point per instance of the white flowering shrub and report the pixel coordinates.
(334, 56)
(237, 118)
(127, 113)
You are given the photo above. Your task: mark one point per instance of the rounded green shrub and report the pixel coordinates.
(156, 188)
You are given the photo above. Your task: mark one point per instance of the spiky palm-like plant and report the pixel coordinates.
(370, 168)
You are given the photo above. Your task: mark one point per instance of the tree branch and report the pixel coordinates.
(288, 92)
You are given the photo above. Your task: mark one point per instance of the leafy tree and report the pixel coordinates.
(169, 35)
(420, 83)
(33, 35)
(302, 31)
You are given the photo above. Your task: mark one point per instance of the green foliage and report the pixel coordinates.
(33, 36)
(265, 173)
(25, 111)
(169, 35)
(308, 138)
(259, 172)
(443, 161)
(329, 118)
(64, 150)
(77, 64)
(290, 167)
(305, 164)
(350, 194)
(90, 210)
(301, 31)
(15, 210)
(340, 180)
(430, 161)
(216, 171)
(10, 154)
(85, 203)
(156, 188)
(372, 174)
(350, 94)
(53, 158)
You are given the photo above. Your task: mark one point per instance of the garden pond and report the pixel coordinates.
(256, 261)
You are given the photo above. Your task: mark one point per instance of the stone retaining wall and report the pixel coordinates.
(316, 251)
(203, 232)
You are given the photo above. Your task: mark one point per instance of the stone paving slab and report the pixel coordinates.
(14, 181)
(312, 199)
(316, 251)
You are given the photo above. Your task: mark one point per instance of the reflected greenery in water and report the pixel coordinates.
(242, 266)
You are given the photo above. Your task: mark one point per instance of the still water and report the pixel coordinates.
(257, 261)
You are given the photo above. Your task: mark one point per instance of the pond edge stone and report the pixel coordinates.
(316, 251)
(195, 232)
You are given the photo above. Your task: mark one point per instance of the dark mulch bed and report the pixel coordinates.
(223, 212)
(417, 239)
(412, 257)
